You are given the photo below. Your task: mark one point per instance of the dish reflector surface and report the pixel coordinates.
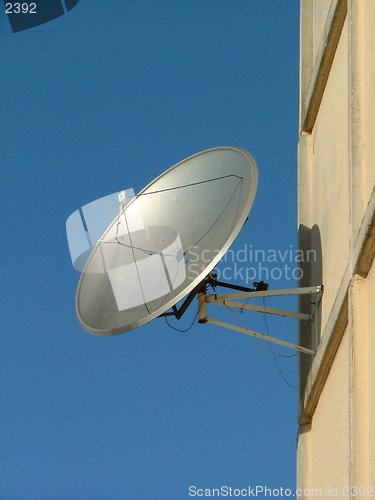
(166, 240)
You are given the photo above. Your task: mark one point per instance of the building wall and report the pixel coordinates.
(331, 415)
(336, 210)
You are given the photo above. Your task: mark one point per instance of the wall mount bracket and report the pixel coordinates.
(233, 299)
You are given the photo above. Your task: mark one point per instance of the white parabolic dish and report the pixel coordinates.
(166, 240)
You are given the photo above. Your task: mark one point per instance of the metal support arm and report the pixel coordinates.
(261, 336)
(241, 293)
(226, 300)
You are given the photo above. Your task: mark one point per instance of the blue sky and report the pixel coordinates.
(103, 98)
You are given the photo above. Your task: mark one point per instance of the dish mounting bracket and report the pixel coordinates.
(234, 300)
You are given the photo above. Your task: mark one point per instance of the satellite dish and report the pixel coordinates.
(166, 240)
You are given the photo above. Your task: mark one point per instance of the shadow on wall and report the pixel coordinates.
(310, 243)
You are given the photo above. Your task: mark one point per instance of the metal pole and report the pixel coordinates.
(261, 336)
(202, 306)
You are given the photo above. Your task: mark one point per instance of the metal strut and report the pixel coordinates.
(225, 300)
(210, 280)
(230, 300)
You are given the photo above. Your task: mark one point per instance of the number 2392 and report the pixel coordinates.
(20, 8)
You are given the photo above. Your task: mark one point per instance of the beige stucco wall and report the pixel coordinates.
(331, 422)
(320, 12)
(330, 176)
(368, 75)
(370, 389)
(336, 163)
